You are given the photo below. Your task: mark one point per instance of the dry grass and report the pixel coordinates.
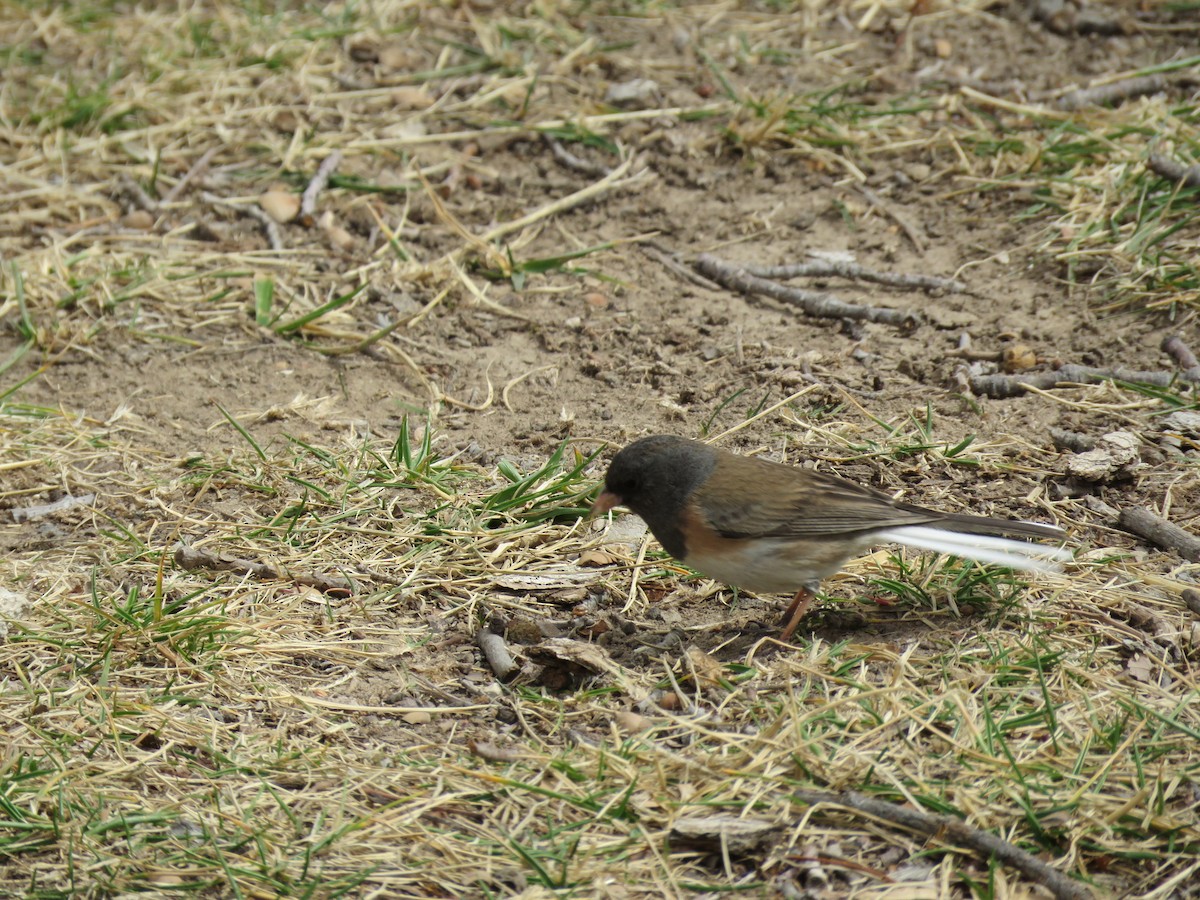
(202, 732)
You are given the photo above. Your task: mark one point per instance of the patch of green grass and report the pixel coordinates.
(929, 581)
(914, 436)
(556, 491)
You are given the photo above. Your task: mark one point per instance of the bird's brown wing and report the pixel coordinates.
(747, 497)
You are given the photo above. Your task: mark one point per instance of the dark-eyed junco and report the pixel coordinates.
(772, 528)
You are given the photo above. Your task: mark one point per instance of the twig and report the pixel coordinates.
(853, 271)
(610, 181)
(270, 228)
(495, 651)
(570, 160)
(951, 830)
(140, 198)
(1175, 347)
(1104, 94)
(197, 168)
(813, 303)
(1072, 440)
(657, 252)
(1110, 514)
(878, 202)
(191, 558)
(1002, 386)
(1159, 532)
(1173, 171)
(308, 200)
(514, 382)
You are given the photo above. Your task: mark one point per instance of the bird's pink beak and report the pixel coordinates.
(605, 502)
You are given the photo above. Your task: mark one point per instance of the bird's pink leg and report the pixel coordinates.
(795, 612)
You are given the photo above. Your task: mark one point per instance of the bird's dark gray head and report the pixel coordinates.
(654, 476)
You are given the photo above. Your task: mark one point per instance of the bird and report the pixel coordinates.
(768, 527)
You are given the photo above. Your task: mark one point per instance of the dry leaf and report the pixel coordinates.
(596, 558)
(1141, 669)
(707, 669)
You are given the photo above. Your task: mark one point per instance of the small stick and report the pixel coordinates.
(1159, 532)
(308, 200)
(950, 829)
(853, 271)
(197, 167)
(1110, 514)
(570, 160)
(1174, 346)
(671, 262)
(1003, 386)
(191, 558)
(875, 200)
(1173, 171)
(140, 198)
(817, 304)
(1072, 440)
(1104, 94)
(495, 651)
(270, 228)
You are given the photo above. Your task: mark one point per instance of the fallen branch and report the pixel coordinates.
(1173, 171)
(1175, 347)
(495, 651)
(951, 830)
(817, 304)
(191, 559)
(1003, 386)
(832, 268)
(1159, 532)
(308, 200)
(1105, 94)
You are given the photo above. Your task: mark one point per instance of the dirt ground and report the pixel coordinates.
(631, 342)
(633, 347)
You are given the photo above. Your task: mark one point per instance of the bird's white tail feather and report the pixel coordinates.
(979, 547)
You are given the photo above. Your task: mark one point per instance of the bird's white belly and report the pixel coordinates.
(774, 566)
